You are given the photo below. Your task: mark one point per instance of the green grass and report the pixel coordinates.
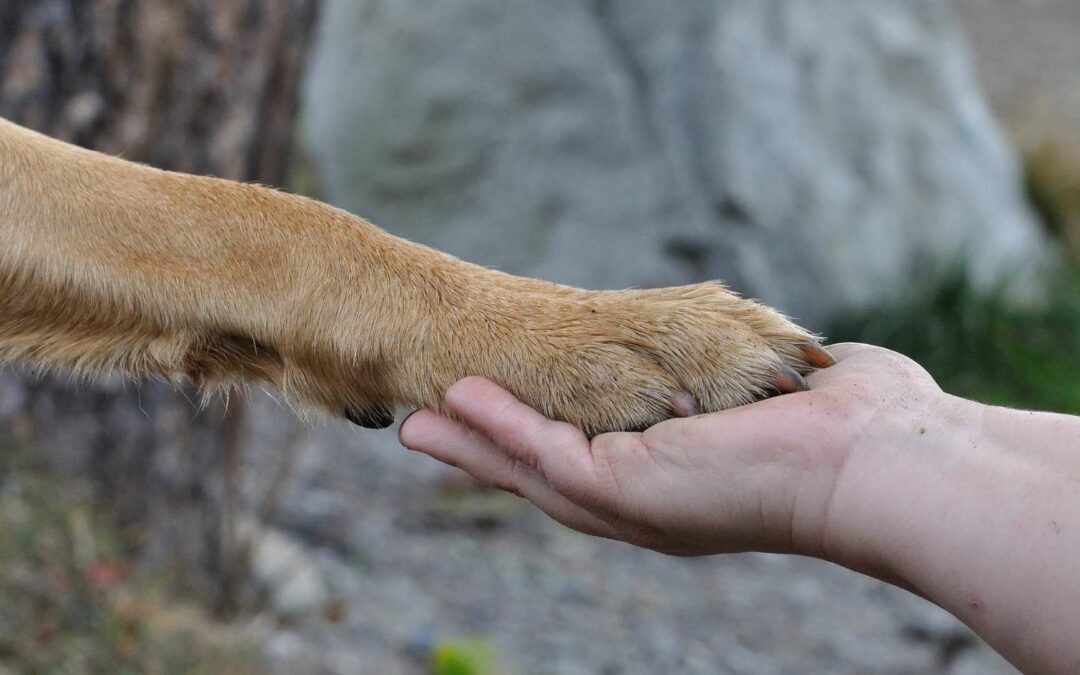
(980, 347)
(462, 657)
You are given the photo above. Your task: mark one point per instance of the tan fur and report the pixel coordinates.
(106, 265)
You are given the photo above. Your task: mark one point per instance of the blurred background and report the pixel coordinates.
(902, 173)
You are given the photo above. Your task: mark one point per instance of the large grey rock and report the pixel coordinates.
(817, 155)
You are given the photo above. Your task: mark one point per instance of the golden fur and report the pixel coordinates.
(107, 265)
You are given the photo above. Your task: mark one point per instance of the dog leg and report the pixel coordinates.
(106, 265)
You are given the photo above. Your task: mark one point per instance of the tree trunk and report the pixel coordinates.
(202, 86)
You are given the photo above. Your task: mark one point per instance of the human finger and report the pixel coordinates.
(452, 443)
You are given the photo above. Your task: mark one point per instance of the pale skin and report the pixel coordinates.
(976, 508)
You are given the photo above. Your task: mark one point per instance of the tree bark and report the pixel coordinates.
(202, 86)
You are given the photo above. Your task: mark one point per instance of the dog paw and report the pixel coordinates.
(625, 360)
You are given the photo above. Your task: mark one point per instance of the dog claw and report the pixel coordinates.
(371, 417)
(788, 381)
(815, 355)
(683, 404)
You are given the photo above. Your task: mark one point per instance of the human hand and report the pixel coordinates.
(874, 468)
(761, 477)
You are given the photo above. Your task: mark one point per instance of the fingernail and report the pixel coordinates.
(401, 428)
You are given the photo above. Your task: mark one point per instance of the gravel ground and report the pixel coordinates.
(410, 555)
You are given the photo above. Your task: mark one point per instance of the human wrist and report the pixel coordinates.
(899, 477)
